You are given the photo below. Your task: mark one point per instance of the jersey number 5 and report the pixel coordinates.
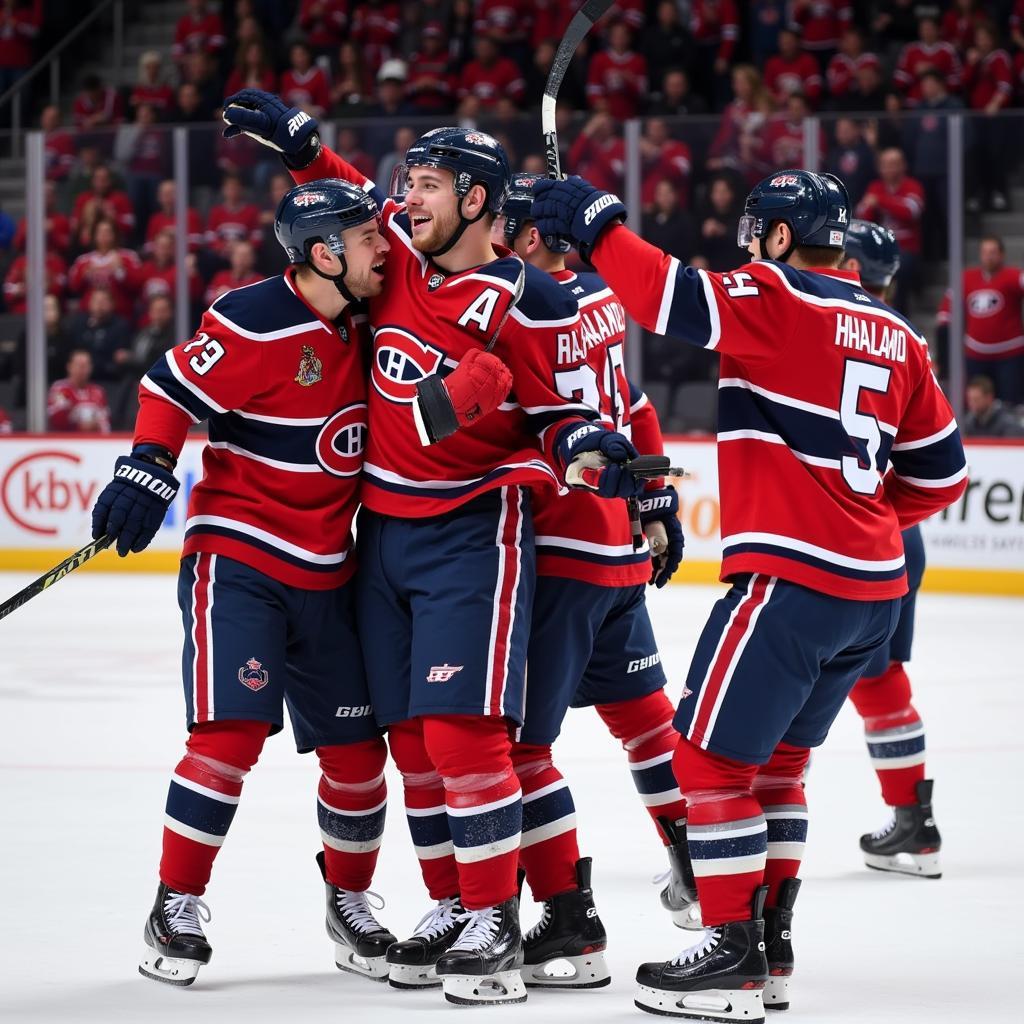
(858, 377)
(212, 350)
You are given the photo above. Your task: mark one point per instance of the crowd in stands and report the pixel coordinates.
(881, 75)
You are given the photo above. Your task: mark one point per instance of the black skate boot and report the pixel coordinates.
(910, 843)
(411, 963)
(720, 978)
(778, 946)
(176, 945)
(679, 897)
(564, 949)
(360, 940)
(482, 965)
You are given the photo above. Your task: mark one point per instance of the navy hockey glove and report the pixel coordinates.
(594, 459)
(659, 514)
(574, 209)
(264, 117)
(133, 505)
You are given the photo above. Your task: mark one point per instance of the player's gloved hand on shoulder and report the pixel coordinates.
(475, 388)
(264, 117)
(574, 209)
(659, 515)
(133, 505)
(594, 459)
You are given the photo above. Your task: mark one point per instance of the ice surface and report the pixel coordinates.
(91, 712)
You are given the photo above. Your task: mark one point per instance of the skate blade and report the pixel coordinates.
(169, 970)
(923, 865)
(688, 918)
(776, 992)
(374, 967)
(484, 990)
(584, 971)
(408, 976)
(713, 1004)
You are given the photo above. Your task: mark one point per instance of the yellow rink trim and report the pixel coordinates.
(1009, 582)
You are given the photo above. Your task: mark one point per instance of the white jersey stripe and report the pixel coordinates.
(778, 540)
(661, 325)
(333, 558)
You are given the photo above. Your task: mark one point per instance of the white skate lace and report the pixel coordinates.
(482, 926)
(355, 908)
(440, 919)
(701, 948)
(885, 829)
(183, 912)
(545, 917)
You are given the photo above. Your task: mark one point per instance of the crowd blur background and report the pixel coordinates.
(679, 105)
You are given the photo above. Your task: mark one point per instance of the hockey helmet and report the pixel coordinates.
(320, 211)
(815, 207)
(876, 250)
(516, 210)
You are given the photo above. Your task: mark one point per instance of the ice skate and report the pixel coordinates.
(719, 978)
(411, 962)
(778, 946)
(565, 948)
(360, 940)
(176, 945)
(482, 966)
(679, 897)
(909, 844)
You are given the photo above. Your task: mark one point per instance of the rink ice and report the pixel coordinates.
(91, 711)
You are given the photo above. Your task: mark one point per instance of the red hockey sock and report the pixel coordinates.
(484, 801)
(351, 805)
(894, 733)
(644, 727)
(725, 831)
(425, 809)
(779, 788)
(202, 799)
(548, 852)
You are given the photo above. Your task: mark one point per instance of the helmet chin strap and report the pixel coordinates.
(338, 280)
(464, 222)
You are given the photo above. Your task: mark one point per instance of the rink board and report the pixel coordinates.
(48, 484)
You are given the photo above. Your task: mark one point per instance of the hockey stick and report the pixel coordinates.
(58, 572)
(650, 467)
(517, 295)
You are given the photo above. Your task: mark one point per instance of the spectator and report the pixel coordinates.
(253, 70)
(784, 137)
(851, 159)
(271, 259)
(598, 154)
(765, 19)
(675, 98)
(159, 275)
(668, 225)
(203, 71)
(550, 20)
(165, 219)
(154, 339)
(415, 17)
(19, 28)
(240, 274)
(739, 132)
(792, 70)
(58, 145)
(988, 86)
(716, 29)
(98, 105)
(304, 85)
(993, 326)
(101, 202)
(843, 67)
(867, 92)
(572, 95)
(895, 22)
(404, 138)
(986, 416)
(232, 220)
(99, 330)
(348, 149)
(430, 87)
(16, 285)
(143, 150)
(663, 159)
(1017, 25)
(927, 52)
(960, 22)
(108, 267)
(489, 78)
(617, 78)
(507, 22)
(896, 201)
(461, 34)
(150, 88)
(6, 425)
(717, 218)
(58, 348)
(57, 226)
(667, 43)
(75, 403)
(352, 84)
(87, 159)
(821, 23)
(375, 27)
(323, 22)
(198, 31)
(631, 12)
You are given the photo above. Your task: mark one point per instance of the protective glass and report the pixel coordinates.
(745, 230)
(399, 183)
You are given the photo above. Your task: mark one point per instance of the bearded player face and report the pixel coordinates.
(434, 207)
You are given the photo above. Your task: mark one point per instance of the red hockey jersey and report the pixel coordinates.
(899, 209)
(77, 409)
(785, 77)
(284, 392)
(619, 80)
(842, 71)
(423, 323)
(993, 327)
(821, 387)
(916, 57)
(821, 22)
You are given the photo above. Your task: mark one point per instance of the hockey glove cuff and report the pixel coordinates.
(264, 117)
(659, 514)
(575, 209)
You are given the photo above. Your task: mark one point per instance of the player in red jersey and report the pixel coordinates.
(811, 412)
(591, 574)
(264, 589)
(446, 535)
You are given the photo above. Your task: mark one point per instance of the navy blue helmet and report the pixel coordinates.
(517, 210)
(816, 207)
(320, 211)
(876, 250)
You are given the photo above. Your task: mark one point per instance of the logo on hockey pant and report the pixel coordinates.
(310, 368)
(342, 438)
(442, 673)
(687, 692)
(639, 664)
(356, 711)
(253, 675)
(400, 361)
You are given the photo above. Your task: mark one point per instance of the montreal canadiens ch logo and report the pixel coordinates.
(985, 302)
(400, 361)
(342, 438)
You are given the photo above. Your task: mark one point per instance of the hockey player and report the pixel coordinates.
(893, 730)
(446, 538)
(821, 386)
(591, 641)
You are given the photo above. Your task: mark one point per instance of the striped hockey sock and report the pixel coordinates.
(779, 789)
(351, 806)
(549, 851)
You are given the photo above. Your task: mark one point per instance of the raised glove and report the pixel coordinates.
(574, 209)
(133, 505)
(594, 458)
(476, 387)
(264, 117)
(659, 514)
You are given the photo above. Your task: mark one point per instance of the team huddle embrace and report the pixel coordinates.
(429, 362)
